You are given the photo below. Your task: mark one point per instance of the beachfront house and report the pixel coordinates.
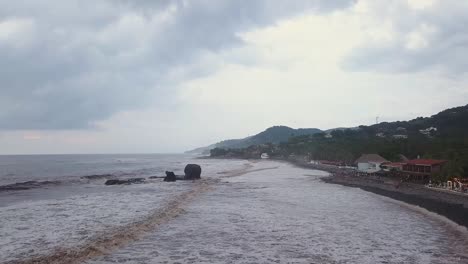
(393, 166)
(381, 135)
(370, 163)
(428, 131)
(421, 169)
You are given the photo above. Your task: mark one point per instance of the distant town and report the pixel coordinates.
(431, 151)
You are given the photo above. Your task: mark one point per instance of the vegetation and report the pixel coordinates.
(275, 134)
(442, 136)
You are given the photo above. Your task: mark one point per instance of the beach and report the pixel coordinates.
(450, 204)
(240, 212)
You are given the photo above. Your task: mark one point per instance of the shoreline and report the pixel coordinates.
(453, 206)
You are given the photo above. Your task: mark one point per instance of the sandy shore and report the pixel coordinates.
(454, 206)
(279, 213)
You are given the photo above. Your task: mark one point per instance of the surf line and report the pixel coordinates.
(242, 172)
(105, 242)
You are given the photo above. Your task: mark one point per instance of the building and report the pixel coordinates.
(370, 163)
(428, 131)
(393, 166)
(402, 158)
(381, 135)
(400, 136)
(264, 156)
(421, 169)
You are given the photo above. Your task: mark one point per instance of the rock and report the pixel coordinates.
(114, 182)
(170, 177)
(97, 176)
(127, 181)
(192, 172)
(136, 180)
(21, 186)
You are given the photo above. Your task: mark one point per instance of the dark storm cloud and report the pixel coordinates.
(430, 38)
(67, 64)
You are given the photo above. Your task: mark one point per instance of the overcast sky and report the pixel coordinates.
(147, 76)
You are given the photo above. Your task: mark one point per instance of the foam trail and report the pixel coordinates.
(104, 243)
(245, 170)
(101, 244)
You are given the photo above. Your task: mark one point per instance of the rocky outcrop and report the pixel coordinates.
(21, 186)
(192, 172)
(97, 176)
(136, 180)
(170, 177)
(126, 181)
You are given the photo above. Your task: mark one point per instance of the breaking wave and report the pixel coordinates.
(102, 243)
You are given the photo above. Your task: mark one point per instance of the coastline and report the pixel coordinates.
(453, 206)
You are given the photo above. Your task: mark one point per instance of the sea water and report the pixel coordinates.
(242, 212)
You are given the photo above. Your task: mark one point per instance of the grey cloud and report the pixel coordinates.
(86, 60)
(446, 50)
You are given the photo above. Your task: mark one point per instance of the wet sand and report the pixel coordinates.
(260, 212)
(278, 213)
(452, 205)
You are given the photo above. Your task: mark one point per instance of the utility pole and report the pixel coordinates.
(376, 120)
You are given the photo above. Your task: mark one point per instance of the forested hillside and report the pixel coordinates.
(441, 136)
(275, 134)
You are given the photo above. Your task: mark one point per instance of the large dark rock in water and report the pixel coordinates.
(170, 177)
(192, 172)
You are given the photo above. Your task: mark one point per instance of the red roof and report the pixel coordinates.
(427, 162)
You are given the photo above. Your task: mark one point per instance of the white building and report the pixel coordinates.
(428, 130)
(265, 156)
(370, 163)
(382, 135)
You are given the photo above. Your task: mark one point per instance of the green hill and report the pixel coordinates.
(441, 136)
(275, 134)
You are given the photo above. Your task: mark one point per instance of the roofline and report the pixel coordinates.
(421, 164)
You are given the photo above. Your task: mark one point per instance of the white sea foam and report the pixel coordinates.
(43, 221)
(274, 213)
(282, 216)
(40, 227)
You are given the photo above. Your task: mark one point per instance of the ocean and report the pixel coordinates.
(240, 212)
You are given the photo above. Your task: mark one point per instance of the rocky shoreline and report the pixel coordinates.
(454, 206)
